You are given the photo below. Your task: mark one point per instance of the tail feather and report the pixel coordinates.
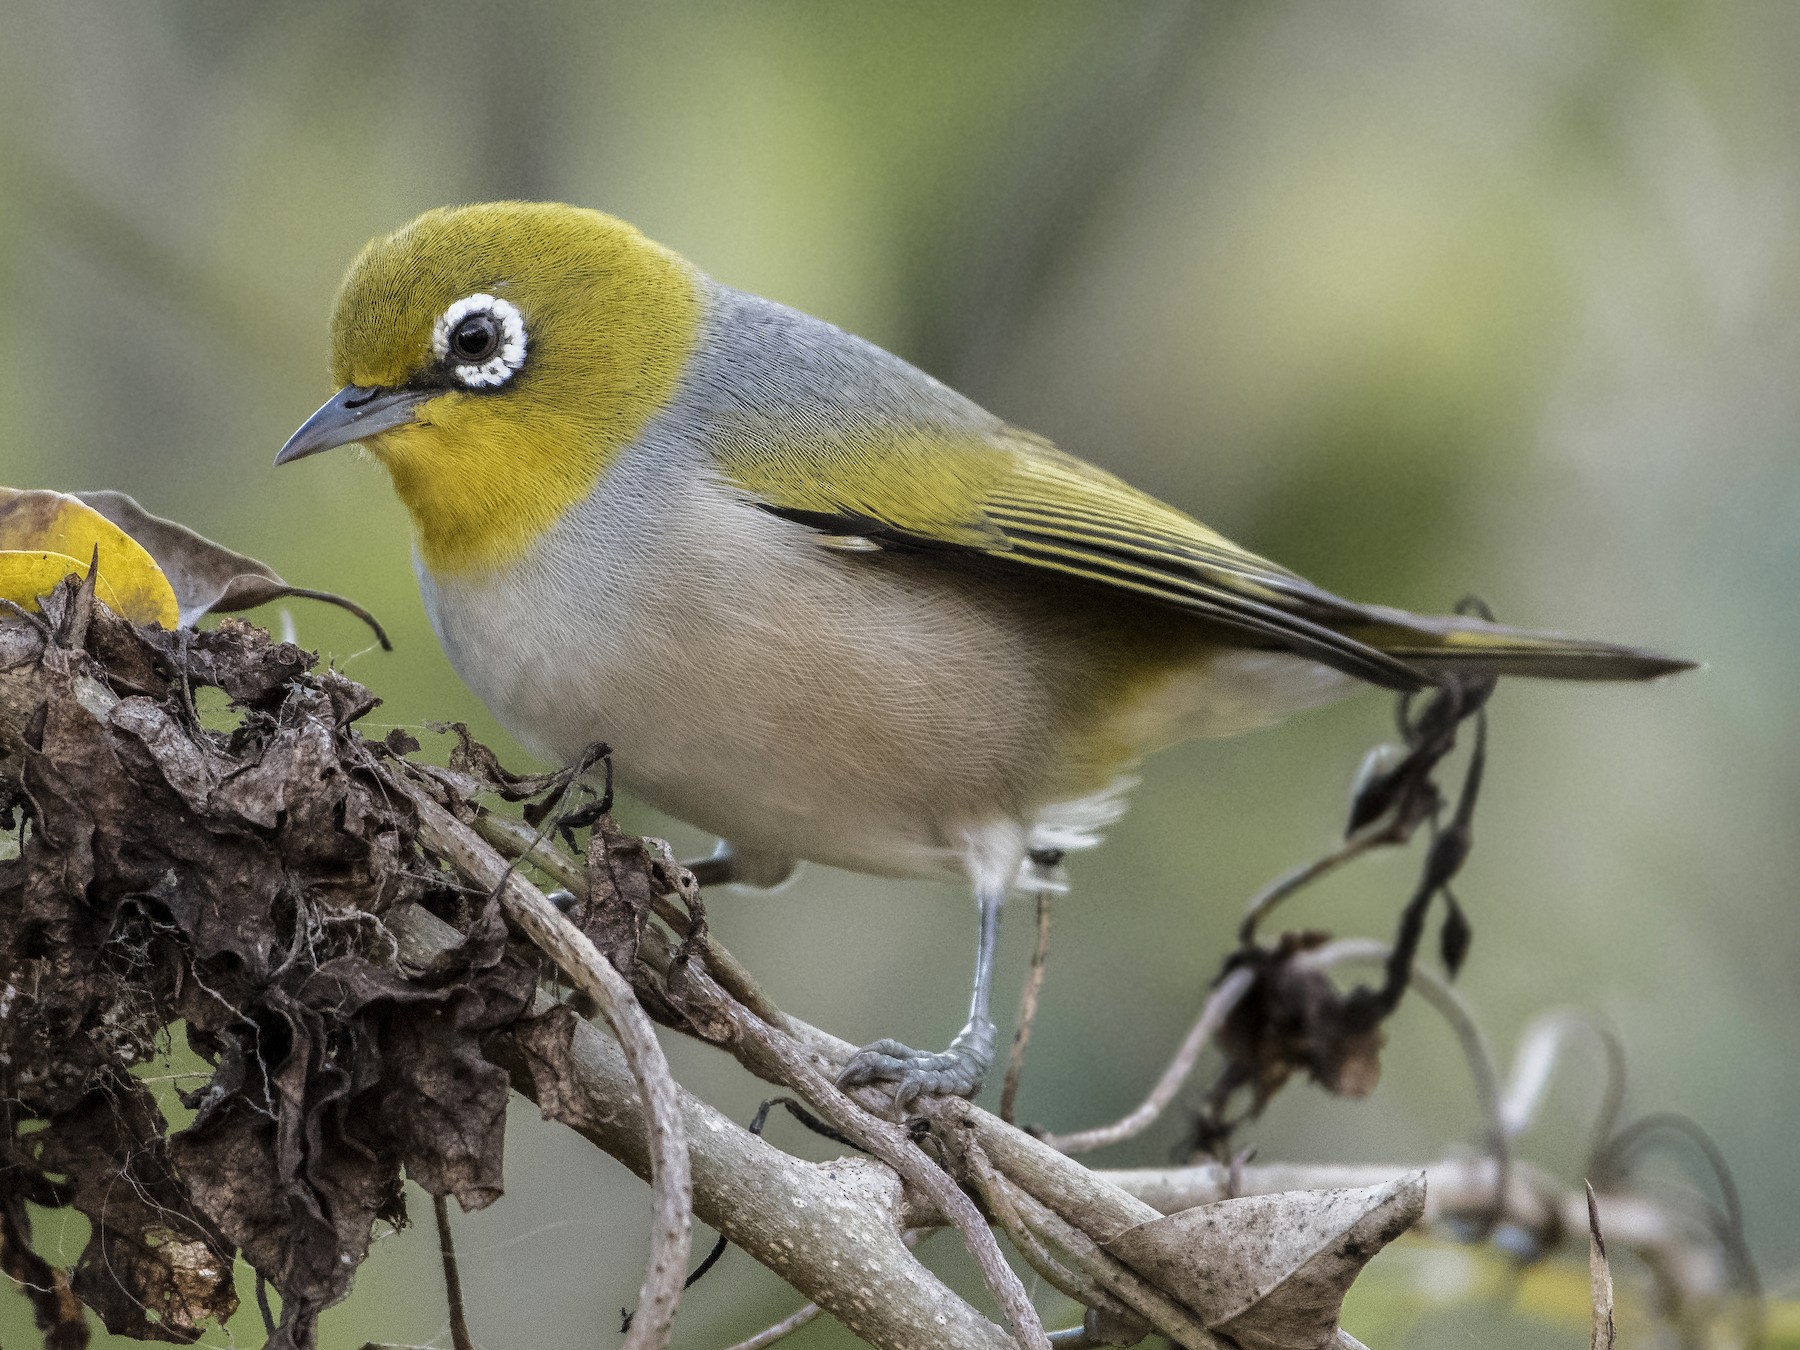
(1453, 644)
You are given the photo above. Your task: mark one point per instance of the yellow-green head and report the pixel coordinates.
(495, 358)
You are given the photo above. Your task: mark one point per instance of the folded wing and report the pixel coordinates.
(1017, 499)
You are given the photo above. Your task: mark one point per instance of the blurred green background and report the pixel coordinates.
(1421, 298)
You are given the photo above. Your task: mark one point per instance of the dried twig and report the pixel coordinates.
(1219, 1003)
(997, 1193)
(786, 1327)
(1450, 1005)
(773, 1054)
(1541, 1047)
(1600, 1277)
(1028, 1006)
(594, 975)
(1376, 834)
(453, 1293)
(517, 840)
(1628, 1141)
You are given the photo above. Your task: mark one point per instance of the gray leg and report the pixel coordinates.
(958, 1071)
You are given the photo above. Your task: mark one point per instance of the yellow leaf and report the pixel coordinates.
(25, 574)
(47, 525)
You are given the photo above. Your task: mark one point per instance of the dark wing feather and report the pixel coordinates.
(1021, 501)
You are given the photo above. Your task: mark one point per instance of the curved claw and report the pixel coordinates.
(956, 1072)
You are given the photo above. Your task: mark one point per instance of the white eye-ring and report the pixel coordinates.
(483, 337)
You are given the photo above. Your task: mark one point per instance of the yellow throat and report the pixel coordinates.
(611, 319)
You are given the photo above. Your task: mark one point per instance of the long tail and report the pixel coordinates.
(1453, 644)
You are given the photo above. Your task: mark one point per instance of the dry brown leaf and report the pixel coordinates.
(1271, 1271)
(229, 883)
(209, 578)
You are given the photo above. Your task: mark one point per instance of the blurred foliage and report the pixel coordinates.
(1420, 298)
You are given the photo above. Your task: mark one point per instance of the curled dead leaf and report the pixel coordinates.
(1292, 1019)
(1271, 1271)
(47, 536)
(232, 884)
(209, 578)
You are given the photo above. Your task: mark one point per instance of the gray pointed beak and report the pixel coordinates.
(353, 414)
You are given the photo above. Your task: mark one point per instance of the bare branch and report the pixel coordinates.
(594, 975)
(453, 1293)
(1137, 1293)
(1219, 1003)
(517, 840)
(1028, 1005)
(773, 1054)
(786, 1327)
(804, 1314)
(1461, 1192)
(830, 1229)
(1376, 834)
(1541, 1048)
(997, 1192)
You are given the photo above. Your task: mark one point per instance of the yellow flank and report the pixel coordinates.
(611, 320)
(1131, 714)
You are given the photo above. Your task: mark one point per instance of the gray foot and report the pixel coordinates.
(956, 1072)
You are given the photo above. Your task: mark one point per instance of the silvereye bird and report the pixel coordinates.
(817, 603)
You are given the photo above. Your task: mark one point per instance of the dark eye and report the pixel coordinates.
(475, 339)
(482, 339)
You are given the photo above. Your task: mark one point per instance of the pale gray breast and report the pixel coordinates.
(844, 708)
